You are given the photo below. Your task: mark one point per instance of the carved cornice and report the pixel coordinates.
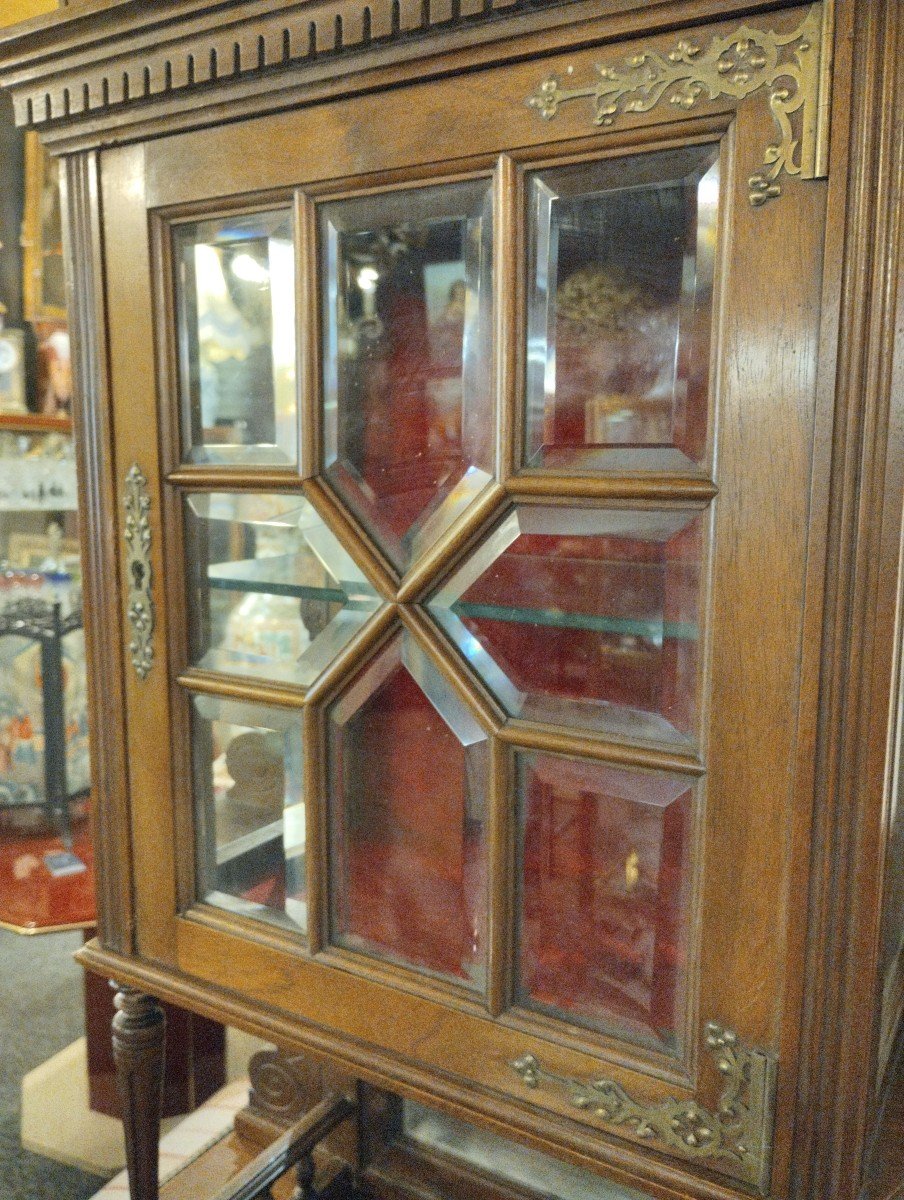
(96, 59)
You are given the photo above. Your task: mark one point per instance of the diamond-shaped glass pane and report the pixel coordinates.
(409, 770)
(273, 594)
(584, 617)
(247, 762)
(407, 374)
(621, 263)
(604, 907)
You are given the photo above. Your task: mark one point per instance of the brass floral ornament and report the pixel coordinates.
(137, 533)
(736, 1139)
(793, 67)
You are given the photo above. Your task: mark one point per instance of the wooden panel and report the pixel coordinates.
(536, 1127)
(765, 415)
(836, 1098)
(462, 123)
(94, 426)
(134, 407)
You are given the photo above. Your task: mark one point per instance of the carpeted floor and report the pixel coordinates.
(41, 1011)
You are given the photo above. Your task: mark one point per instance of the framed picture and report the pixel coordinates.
(43, 275)
(12, 371)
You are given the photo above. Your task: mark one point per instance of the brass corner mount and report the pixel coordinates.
(793, 68)
(735, 1139)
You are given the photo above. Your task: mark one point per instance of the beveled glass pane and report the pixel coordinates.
(604, 905)
(584, 617)
(247, 767)
(408, 784)
(236, 314)
(620, 284)
(407, 374)
(272, 593)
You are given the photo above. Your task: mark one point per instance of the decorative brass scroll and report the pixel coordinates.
(140, 609)
(793, 66)
(736, 1139)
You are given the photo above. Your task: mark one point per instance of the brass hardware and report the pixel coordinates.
(793, 66)
(736, 1139)
(140, 611)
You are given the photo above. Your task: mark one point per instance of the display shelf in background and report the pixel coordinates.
(32, 900)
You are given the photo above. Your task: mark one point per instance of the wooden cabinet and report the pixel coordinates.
(492, 467)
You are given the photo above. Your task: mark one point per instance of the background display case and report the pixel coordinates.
(44, 754)
(487, 420)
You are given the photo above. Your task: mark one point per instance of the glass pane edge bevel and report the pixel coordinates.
(414, 981)
(408, 181)
(276, 680)
(326, 499)
(419, 655)
(501, 879)
(643, 1057)
(541, 1020)
(493, 682)
(279, 205)
(469, 690)
(508, 303)
(307, 334)
(449, 547)
(255, 713)
(601, 746)
(530, 162)
(316, 755)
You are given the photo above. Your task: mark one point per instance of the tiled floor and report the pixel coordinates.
(190, 1138)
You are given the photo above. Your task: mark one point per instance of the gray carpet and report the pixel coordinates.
(41, 1011)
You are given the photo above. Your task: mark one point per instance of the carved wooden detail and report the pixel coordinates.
(791, 67)
(138, 1031)
(157, 59)
(284, 1085)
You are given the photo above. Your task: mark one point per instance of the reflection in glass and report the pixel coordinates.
(247, 764)
(236, 295)
(530, 1170)
(621, 257)
(408, 424)
(273, 593)
(584, 616)
(604, 894)
(408, 785)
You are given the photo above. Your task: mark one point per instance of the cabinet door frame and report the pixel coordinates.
(848, 818)
(174, 177)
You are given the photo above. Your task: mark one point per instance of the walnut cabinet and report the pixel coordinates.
(490, 431)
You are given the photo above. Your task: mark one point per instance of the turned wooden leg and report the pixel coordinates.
(138, 1028)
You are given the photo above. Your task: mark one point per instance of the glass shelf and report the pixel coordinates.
(653, 631)
(284, 613)
(279, 576)
(584, 617)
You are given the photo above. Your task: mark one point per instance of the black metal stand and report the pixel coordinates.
(42, 621)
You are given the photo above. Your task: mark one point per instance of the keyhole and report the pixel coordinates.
(138, 575)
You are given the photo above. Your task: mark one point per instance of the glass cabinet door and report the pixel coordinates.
(477, 484)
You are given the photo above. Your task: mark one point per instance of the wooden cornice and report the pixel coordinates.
(101, 72)
(105, 63)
